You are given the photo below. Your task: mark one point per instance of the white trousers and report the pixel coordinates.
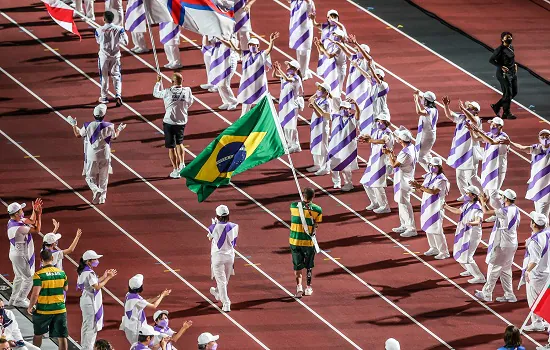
(98, 182)
(377, 196)
(437, 241)
(88, 331)
(303, 57)
(534, 288)
(224, 87)
(222, 267)
(22, 282)
(501, 268)
(172, 53)
(320, 161)
(424, 156)
(88, 8)
(406, 215)
(494, 197)
(542, 208)
(292, 139)
(109, 66)
(346, 175)
(139, 40)
(341, 76)
(243, 37)
(464, 178)
(131, 336)
(246, 108)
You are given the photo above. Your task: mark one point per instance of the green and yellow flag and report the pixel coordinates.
(252, 140)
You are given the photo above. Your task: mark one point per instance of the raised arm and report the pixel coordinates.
(107, 276)
(343, 47)
(272, 39)
(357, 109)
(229, 43)
(318, 109)
(155, 302)
(183, 329)
(315, 23)
(419, 109)
(371, 70)
(486, 207)
(446, 107)
(521, 148)
(72, 247)
(451, 209)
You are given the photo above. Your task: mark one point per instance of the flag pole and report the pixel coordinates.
(541, 294)
(151, 36)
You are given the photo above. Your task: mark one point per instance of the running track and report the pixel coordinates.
(151, 225)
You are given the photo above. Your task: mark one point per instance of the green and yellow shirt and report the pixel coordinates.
(297, 235)
(51, 299)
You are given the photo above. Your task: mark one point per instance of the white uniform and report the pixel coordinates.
(57, 256)
(402, 175)
(91, 304)
(253, 85)
(431, 211)
(134, 316)
(135, 23)
(97, 157)
(115, 6)
(110, 37)
(222, 68)
(539, 182)
(363, 92)
(374, 178)
(465, 153)
(177, 100)
(301, 33)
(169, 33)
(467, 238)
(289, 106)
(326, 32)
(342, 154)
(22, 259)
(164, 332)
(224, 239)
(493, 169)
(88, 8)
(335, 68)
(9, 329)
(425, 138)
(243, 26)
(503, 244)
(320, 134)
(536, 252)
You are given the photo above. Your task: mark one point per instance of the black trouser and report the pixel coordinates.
(509, 86)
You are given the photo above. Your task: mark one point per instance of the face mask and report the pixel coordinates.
(381, 126)
(359, 55)
(330, 21)
(319, 93)
(467, 198)
(290, 71)
(508, 41)
(544, 142)
(434, 169)
(214, 347)
(163, 323)
(345, 113)
(494, 131)
(253, 49)
(95, 263)
(472, 110)
(151, 342)
(22, 214)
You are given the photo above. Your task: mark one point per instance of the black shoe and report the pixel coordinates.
(495, 109)
(118, 100)
(509, 116)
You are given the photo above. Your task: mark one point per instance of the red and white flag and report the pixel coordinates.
(62, 14)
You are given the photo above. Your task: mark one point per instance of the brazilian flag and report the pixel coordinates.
(252, 140)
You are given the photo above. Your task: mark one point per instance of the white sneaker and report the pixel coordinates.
(477, 280)
(337, 186)
(308, 291)
(460, 199)
(313, 169)
(399, 229)
(546, 347)
(299, 291)
(372, 206)
(294, 149)
(168, 65)
(442, 256)
(480, 295)
(347, 187)
(176, 65)
(175, 174)
(431, 252)
(102, 200)
(214, 293)
(181, 167)
(24, 304)
(103, 100)
(409, 233)
(224, 106)
(140, 50)
(232, 107)
(226, 308)
(213, 89)
(534, 327)
(206, 86)
(465, 274)
(491, 219)
(322, 172)
(505, 299)
(382, 210)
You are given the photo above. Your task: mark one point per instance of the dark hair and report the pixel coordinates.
(299, 72)
(429, 104)
(4, 340)
(512, 336)
(109, 16)
(202, 346)
(142, 338)
(540, 227)
(440, 171)
(45, 245)
(224, 218)
(503, 34)
(135, 291)
(102, 344)
(308, 193)
(46, 255)
(81, 266)
(98, 118)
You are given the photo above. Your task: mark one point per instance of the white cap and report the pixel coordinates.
(206, 338)
(158, 313)
(90, 255)
(148, 330)
(472, 189)
(293, 64)
(379, 72)
(324, 86)
(365, 47)
(136, 281)
(544, 131)
(345, 104)
(508, 193)
(497, 121)
(430, 96)
(538, 218)
(222, 210)
(436, 161)
(392, 344)
(50, 238)
(100, 110)
(475, 105)
(404, 135)
(383, 116)
(254, 41)
(332, 12)
(339, 32)
(15, 207)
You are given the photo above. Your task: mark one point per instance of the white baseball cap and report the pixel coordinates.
(51, 238)
(538, 218)
(15, 207)
(324, 86)
(379, 72)
(89, 255)
(404, 135)
(497, 121)
(436, 161)
(345, 104)
(206, 338)
(383, 117)
(332, 12)
(136, 281)
(430, 96)
(392, 344)
(293, 64)
(339, 32)
(365, 47)
(544, 131)
(148, 330)
(222, 210)
(472, 189)
(475, 105)
(508, 193)
(159, 313)
(100, 110)
(254, 41)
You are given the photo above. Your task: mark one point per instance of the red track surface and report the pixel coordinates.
(142, 210)
(529, 21)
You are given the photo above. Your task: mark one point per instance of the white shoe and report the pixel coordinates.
(299, 291)
(24, 304)
(442, 256)
(431, 252)
(337, 186)
(232, 107)
(465, 274)
(546, 347)
(347, 187)
(409, 233)
(213, 89)
(224, 106)
(103, 100)
(294, 149)
(491, 219)
(399, 229)
(460, 199)
(226, 308)
(313, 169)
(480, 295)
(534, 328)
(206, 86)
(176, 66)
(175, 174)
(308, 291)
(139, 50)
(168, 65)
(505, 299)
(118, 100)
(322, 172)
(477, 280)
(382, 210)
(181, 167)
(214, 293)
(102, 200)
(372, 206)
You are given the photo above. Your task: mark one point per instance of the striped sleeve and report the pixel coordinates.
(36, 281)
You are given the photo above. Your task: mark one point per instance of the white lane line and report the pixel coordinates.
(287, 292)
